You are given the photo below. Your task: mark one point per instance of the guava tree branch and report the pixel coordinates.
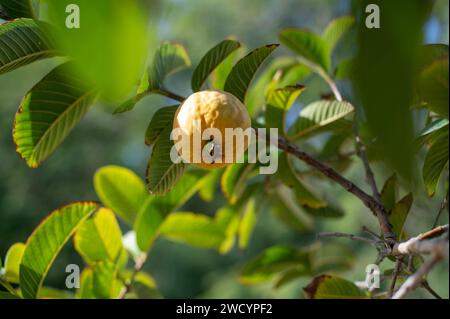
(438, 250)
(423, 243)
(370, 202)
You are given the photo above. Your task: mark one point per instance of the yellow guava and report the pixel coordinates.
(210, 109)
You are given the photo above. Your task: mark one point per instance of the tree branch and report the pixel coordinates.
(362, 154)
(439, 251)
(422, 244)
(369, 201)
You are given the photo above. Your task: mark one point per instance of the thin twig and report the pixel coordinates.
(441, 209)
(362, 154)
(138, 265)
(426, 286)
(397, 270)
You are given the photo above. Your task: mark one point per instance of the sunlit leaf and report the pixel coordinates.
(234, 180)
(247, 223)
(49, 112)
(332, 287)
(243, 72)
(279, 101)
(335, 30)
(227, 219)
(194, 229)
(121, 190)
(281, 72)
(311, 47)
(99, 238)
(211, 60)
(221, 72)
(210, 183)
(318, 115)
(12, 262)
(46, 241)
(156, 208)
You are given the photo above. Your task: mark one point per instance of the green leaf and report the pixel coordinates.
(194, 229)
(44, 244)
(434, 126)
(285, 208)
(18, 8)
(12, 262)
(433, 87)
(435, 162)
(53, 293)
(105, 285)
(162, 173)
(86, 282)
(99, 238)
(168, 59)
(279, 101)
(247, 223)
(345, 70)
(332, 287)
(22, 42)
(281, 72)
(156, 208)
(210, 61)
(221, 72)
(274, 261)
(227, 219)
(210, 183)
(162, 118)
(335, 30)
(234, 180)
(48, 113)
(121, 190)
(399, 214)
(430, 53)
(318, 115)
(288, 176)
(241, 75)
(310, 46)
(7, 295)
(143, 287)
(389, 192)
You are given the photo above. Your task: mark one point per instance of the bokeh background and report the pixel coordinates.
(27, 195)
